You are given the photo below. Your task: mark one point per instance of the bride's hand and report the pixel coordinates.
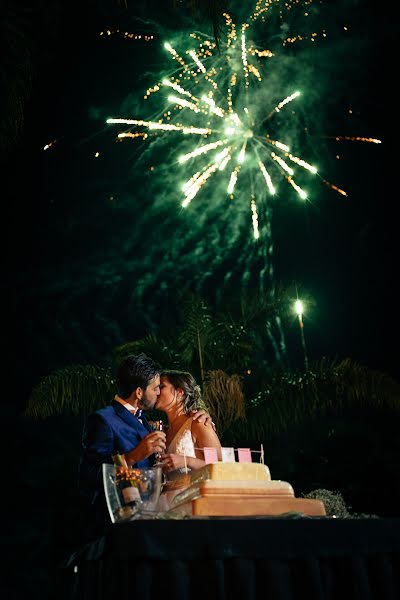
(171, 462)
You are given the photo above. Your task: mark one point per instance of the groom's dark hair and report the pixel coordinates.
(135, 371)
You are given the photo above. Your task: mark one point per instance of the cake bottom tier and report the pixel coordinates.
(231, 505)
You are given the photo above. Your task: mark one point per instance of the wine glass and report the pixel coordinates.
(157, 425)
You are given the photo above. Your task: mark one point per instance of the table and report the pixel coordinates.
(252, 558)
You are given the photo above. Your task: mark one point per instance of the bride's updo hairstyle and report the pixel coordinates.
(192, 399)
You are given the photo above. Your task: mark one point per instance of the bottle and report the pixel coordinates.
(119, 460)
(126, 484)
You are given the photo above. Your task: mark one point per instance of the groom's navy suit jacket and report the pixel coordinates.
(107, 431)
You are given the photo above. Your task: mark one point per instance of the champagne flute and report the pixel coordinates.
(157, 425)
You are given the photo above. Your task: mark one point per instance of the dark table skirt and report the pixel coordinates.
(243, 558)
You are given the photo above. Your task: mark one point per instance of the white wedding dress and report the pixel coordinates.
(182, 443)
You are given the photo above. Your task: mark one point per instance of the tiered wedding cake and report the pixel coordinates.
(237, 489)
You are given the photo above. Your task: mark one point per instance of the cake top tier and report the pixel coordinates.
(221, 471)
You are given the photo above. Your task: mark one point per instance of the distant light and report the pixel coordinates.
(49, 145)
(97, 155)
(298, 306)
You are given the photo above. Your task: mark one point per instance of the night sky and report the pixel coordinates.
(90, 242)
(96, 249)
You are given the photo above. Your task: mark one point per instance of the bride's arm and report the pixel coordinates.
(205, 437)
(177, 461)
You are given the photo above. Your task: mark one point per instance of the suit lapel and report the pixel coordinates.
(146, 423)
(130, 419)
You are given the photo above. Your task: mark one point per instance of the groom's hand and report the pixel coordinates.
(152, 443)
(203, 417)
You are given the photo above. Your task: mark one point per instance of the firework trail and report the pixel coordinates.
(232, 123)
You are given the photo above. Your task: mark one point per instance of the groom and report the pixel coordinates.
(121, 428)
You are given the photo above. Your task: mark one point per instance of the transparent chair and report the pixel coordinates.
(131, 493)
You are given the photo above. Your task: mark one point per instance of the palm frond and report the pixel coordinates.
(244, 327)
(223, 395)
(335, 385)
(73, 390)
(197, 335)
(160, 350)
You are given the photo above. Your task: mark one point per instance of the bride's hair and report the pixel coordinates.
(192, 399)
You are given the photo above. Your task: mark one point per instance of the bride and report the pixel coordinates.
(186, 438)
